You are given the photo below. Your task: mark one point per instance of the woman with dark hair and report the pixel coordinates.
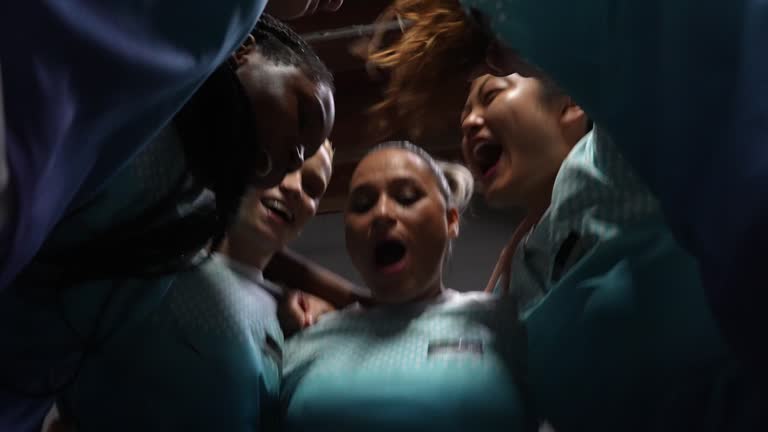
(208, 357)
(593, 260)
(651, 74)
(619, 86)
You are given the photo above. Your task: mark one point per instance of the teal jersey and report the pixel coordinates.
(622, 338)
(596, 197)
(200, 350)
(625, 341)
(454, 364)
(196, 349)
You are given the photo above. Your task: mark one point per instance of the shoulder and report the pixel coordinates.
(214, 284)
(472, 302)
(596, 192)
(468, 298)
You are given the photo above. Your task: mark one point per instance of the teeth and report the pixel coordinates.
(279, 208)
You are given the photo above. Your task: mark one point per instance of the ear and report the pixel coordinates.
(571, 113)
(239, 55)
(452, 216)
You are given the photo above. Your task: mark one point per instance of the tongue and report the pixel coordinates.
(487, 155)
(388, 253)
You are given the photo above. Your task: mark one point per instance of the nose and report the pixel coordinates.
(472, 123)
(383, 216)
(291, 185)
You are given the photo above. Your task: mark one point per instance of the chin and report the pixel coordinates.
(502, 197)
(388, 296)
(402, 296)
(263, 235)
(495, 199)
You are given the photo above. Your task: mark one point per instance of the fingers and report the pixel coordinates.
(291, 314)
(303, 303)
(316, 307)
(300, 310)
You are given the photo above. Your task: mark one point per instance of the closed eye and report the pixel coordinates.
(408, 198)
(406, 192)
(362, 200)
(490, 96)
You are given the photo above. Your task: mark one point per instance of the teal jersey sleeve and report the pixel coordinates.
(624, 337)
(454, 366)
(596, 197)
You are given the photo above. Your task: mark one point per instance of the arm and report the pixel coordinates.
(681, 86)
(88, 84)
(298, 272)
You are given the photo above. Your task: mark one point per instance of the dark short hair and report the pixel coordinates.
(280, 44)
(550, 91)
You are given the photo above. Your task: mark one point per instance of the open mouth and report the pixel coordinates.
(388, 254)
(279, 209)
(486, 157)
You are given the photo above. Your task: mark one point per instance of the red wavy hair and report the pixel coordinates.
(428, 65)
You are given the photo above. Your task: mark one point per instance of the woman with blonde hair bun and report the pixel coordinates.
(420, 356)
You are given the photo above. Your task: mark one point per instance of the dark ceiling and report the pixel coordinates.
(334, 36)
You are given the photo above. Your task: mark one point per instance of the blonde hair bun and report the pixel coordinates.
(460, 182)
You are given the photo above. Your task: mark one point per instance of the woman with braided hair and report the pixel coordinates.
(123, 308)
(85, 92)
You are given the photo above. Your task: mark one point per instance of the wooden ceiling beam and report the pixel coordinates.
(353, 12)
(333, 36)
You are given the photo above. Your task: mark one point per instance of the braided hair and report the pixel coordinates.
(217, 125)
(281, 45)
(216, 129)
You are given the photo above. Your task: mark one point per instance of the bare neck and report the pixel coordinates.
(246, 252)
(434, 291)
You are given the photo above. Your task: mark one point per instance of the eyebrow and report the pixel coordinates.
(361, 187)
(482, 85)
(396, 181)
(465, 110)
